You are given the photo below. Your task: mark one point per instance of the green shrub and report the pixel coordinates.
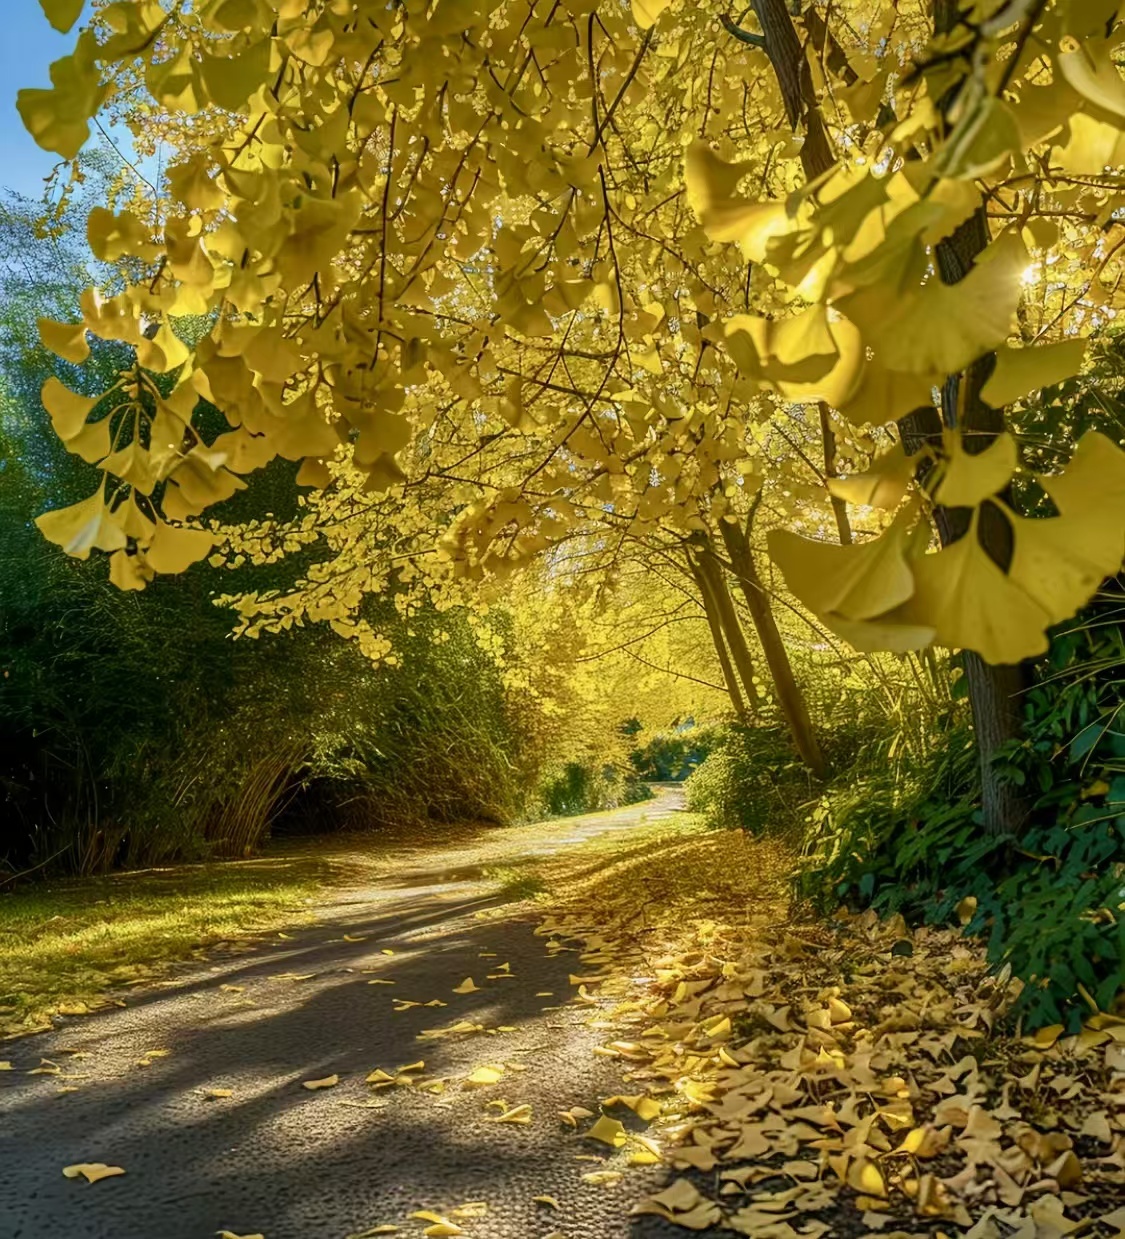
(588, 787)
(752, 779)
(1050, 904)
(672, 756)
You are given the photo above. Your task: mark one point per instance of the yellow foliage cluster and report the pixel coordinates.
(527, 270)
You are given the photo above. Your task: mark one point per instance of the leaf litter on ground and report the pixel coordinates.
(807, 1076)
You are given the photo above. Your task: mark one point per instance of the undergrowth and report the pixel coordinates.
(1050, 904)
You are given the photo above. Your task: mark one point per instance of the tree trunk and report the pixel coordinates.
(789, 695)
(839, 507)
(715, 624)
(993, 691)
(711, 575)
(794, 77)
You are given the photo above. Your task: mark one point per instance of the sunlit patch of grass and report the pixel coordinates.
(65, 943)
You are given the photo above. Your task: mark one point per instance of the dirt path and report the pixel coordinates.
(129, 1087)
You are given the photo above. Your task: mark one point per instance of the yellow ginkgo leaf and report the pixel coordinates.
(891, 631)
(467, 986)
(440, 1226)
(58, 119)
(866, 1177)
(549, 1201)
(65, 340)
(82, 527)
(1020, 371)
(972, 604)
(1060, 561)
(92, 1171)
(940, 328)
(174, 548)
(1090, 69)
(483, 1076)
(62, 14)
(883, 485)
(856, 582)
(217, 1094)
(327, 1082)
(1094, 478)
(608, 1131)
(518, 1114)
(646, 1108)
(68, 410)
(646, 13)
(710, 183)
(229, 1234)
(971, 478)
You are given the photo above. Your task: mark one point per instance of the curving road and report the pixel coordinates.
(129, 1087)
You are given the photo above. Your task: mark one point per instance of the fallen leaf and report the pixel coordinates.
(482, 1076)
(608, 1131)
(232, 989)
(216, 1094)
(520, 1114)
(550, 1201)
(466, 987)
(354, 938)
(441, 1227)
(92, 1171)
(643, 1107)
(603, 1178)
(327, 1082)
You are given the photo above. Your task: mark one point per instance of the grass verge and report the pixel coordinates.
(63, 944)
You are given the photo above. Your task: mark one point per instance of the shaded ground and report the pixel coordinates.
(129, 1086)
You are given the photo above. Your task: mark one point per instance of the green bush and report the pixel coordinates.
(133, 730)
(1050, 904)
(588, 787)
(753, 780)
(672, 756)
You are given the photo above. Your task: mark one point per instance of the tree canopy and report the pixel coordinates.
(521, 268)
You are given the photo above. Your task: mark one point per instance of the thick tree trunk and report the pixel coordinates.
(715, 624)
(789, 695)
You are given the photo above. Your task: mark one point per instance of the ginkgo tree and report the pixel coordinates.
(577, 253)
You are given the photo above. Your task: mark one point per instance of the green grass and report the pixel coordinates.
(63, 944)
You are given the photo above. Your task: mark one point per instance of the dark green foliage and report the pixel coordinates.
(1051, 903)
(671, 756)
(752, 779)
(134, 730)
(587, 787)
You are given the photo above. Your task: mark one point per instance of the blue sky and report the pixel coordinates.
(28, 44)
